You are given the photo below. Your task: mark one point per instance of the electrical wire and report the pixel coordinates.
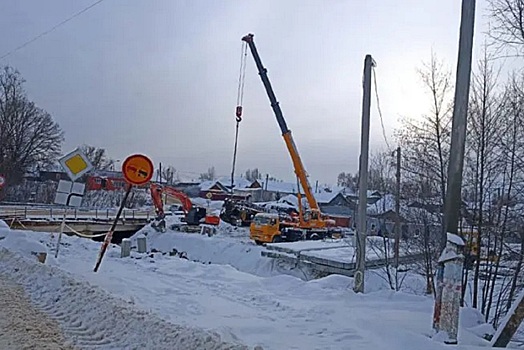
(242, 74)
(240, 98)
(378, 107)
(50, 29)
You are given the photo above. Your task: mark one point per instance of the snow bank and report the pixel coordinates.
(224, 304)
(93, 319)
(243, 256)
(20, 242)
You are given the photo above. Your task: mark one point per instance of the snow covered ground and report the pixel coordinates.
(228, 294)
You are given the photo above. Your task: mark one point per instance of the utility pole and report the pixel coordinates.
(453, 199)
(397, 211)
(363, 178)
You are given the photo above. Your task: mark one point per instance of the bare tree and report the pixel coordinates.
(98, 157)
(29, 137)
(347, 180)
(253, 174)
(482, 160)
(381, 174)
(209, 175)
(507, 28)
(425, 142)
(169, 175)
(509, 219)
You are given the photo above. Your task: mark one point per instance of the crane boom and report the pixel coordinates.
(300, 171)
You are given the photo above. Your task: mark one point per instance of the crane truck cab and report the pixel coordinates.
(274, 228)
(265, 228)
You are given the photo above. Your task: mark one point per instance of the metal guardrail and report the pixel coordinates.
(71, 213)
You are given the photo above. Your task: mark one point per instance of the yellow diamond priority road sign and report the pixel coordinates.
(75, 164)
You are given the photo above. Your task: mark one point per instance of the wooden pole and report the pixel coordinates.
(397, 211)
(363, 179)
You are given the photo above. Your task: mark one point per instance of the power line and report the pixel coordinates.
(378, 108)
(50, 29)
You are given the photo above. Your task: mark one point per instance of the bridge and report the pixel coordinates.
(90, 223)
(336, 256)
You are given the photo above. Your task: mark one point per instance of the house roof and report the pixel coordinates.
(370, 194)
(383, 205)
(107, 173)
(326, 197)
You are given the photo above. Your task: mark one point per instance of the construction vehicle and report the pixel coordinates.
(238, 212)
(472, 251)
(194, 217)
(311, 224)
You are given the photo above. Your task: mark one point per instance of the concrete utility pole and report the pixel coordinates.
(453, 200)
(363, 178)
(397, 211)
(509, 326)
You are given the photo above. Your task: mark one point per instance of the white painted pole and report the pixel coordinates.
(62, 227)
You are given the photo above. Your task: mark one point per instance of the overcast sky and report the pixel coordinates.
(160, 77)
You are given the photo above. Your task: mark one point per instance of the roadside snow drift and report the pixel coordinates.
(262, 308)
(93, 319)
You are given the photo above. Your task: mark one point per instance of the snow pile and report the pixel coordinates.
(4, 229)
(20, 242)
(95, 320)
(274, 311)
(243, 256)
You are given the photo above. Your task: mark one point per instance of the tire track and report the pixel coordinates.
(22, 326)
(92, 319)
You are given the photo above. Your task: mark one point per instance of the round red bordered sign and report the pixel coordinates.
(137, 169)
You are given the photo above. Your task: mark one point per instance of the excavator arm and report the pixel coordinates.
(156, 195)
(300, 171)
(193, 215)
(180, 196)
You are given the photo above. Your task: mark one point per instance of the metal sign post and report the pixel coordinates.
(70, 193)
(137, 170)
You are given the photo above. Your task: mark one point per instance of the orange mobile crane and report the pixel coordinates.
(267, 228)
(193, 216)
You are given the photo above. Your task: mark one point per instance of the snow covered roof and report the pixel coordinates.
(383, 205)
(206, 185)
(239, 182)
(370, 194)
(280, 186)
(225, 182)
(325, 197)
(107, 173)
(289, 199)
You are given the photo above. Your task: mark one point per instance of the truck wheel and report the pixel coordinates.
(257, 242)
(315, 237)
(276, 239)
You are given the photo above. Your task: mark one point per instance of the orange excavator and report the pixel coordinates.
(193, 216)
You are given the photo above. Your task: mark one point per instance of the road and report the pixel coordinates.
(22, 326)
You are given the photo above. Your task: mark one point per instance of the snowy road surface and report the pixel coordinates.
(22, 326)
(273, 311)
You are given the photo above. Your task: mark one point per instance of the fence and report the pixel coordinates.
(72, 213)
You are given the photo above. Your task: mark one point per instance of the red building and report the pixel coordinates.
(105, 180)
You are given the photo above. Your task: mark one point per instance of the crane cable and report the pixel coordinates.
(240, 98)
